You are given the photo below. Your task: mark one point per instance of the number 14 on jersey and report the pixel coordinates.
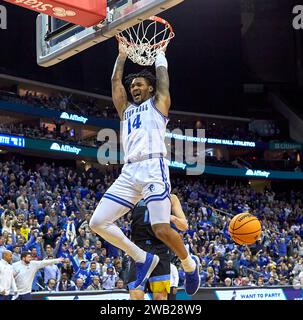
(135, 125)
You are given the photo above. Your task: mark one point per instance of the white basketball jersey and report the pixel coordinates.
(143, 132)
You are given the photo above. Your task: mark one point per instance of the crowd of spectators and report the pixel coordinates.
(221, 129)
(289, 161)
(276, 259)
(46, 209)
(44, 132)
(87, 106)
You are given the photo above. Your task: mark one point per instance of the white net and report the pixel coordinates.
(144, 41)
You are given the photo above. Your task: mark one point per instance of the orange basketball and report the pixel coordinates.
(244, 228)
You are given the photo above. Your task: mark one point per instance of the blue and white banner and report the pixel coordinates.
(226, 142)
(12, 141)
(251, 294)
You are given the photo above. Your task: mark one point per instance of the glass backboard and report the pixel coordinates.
(58, 40)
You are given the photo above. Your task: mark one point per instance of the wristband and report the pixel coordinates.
(161, 60)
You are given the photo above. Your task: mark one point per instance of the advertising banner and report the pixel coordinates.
(203, 294)
(12, 141)
(285, 146)
(251, 294)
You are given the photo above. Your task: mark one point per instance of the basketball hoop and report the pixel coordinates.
(144, 41)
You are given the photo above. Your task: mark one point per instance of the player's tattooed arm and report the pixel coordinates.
(119, 94)
(162, 98)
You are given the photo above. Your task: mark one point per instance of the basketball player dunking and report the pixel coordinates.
(145, 173)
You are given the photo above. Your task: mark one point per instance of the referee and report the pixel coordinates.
(7, 281)
(25, 271)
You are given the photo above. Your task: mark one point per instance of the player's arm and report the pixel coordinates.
(119, 94)
(178, 217)
(162, 97)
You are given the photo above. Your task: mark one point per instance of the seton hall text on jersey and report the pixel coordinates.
(134, 110)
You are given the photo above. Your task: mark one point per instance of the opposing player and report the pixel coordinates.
(145, 173)
(143, 236)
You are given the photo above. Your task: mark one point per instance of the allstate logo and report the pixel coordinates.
(61, 12)
(151, 188)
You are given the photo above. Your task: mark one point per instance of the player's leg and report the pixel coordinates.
(135, 293)
(163, 231)
(160, 295)
(160, 222)
(139, 295)
(157, 199)
(116, 202)
(159, 281)
(102, 222)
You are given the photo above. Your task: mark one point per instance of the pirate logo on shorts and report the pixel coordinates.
(151, 188)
